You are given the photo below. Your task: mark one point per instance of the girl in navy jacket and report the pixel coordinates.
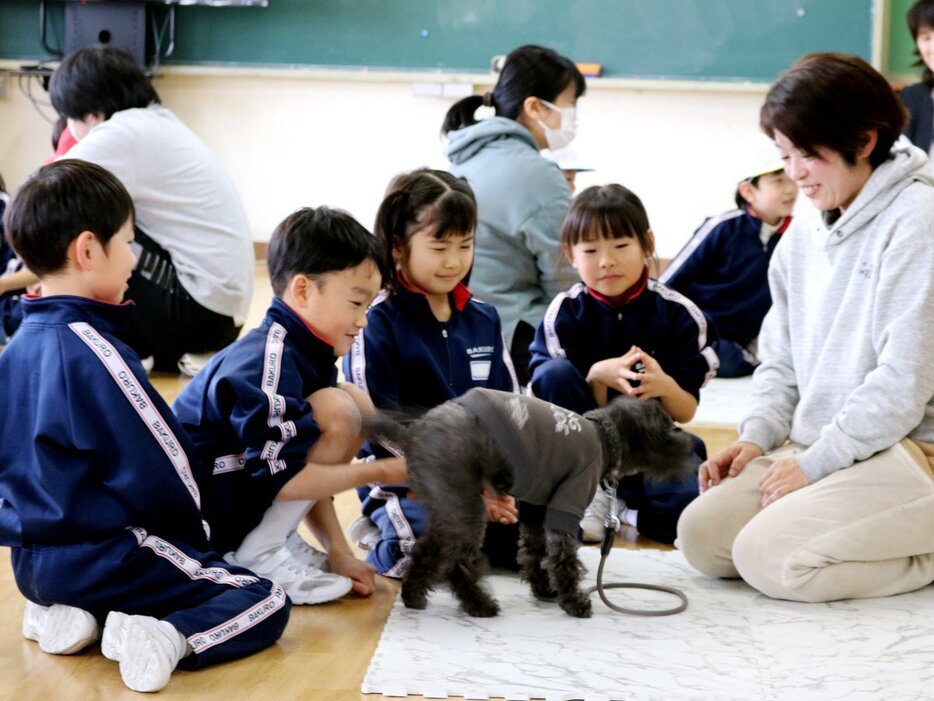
(621, 332)
(426, 341)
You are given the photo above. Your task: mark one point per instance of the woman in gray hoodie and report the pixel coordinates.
(829, 492)
(522, 197)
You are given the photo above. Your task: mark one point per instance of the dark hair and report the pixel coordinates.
(529, 71)
(422, 198)
(313, 242)
(607, 211)
(101, 78)
(57, 203)
(832, 100)
(741, 201)
(921, 15)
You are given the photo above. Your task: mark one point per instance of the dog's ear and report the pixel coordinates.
(651, 445)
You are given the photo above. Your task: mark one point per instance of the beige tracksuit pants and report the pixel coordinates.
(863, 531)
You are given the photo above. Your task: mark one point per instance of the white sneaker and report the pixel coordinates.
(191, 364)
(593, 524)
(147, 649)
(364, 533)
(59, 629)
(304, 584)
(305, 553)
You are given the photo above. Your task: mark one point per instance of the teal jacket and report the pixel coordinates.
(522, 199)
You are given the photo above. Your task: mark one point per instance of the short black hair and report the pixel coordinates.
(99, 79)
(58, 202)
(313, 242)
(529, 71)
(921, 15)
(832, 100)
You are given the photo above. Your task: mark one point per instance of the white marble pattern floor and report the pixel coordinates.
(731, 643)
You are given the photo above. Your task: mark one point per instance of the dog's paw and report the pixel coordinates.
(579, 606)
(414, 598)
(481, 609)
(544, 593)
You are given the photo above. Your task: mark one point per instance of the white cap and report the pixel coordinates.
(566, 158)
(763, 157)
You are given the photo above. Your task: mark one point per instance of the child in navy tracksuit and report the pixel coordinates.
(621, 332)
(427, 341)
(268, 414)
(99, 496)
(724, 267)
(13, 280)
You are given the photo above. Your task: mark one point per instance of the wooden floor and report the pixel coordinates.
(322, 656)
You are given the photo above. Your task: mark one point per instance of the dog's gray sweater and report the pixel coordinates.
(555, 456)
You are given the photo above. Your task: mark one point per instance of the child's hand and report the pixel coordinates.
(500, 508)
(651, 381)
(360, 573)
(393, 471)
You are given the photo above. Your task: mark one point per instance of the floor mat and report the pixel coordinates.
(731, 643)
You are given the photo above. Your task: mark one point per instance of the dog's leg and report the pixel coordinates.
(565, 572)
(428, 561)
(531, 555)
(470, 563)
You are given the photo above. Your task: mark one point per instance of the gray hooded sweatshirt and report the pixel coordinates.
(848, 345)
(522, 199)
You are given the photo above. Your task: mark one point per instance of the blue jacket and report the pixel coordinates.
(724, 269)
(87, 446)
(920, 127)
(406, 359)
(584, 328)
(522, 199)
(248, 416)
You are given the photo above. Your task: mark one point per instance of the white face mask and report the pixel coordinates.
(563, 135)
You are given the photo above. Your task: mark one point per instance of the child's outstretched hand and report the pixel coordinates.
(500, 508)
(360, 573)
(394, 471)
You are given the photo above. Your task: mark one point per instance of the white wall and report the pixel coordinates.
(294, 139)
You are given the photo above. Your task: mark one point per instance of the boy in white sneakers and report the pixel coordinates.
(281, 433)
(99, 496)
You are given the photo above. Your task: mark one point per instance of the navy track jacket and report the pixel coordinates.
(87, 446)
(249, 417)
(584, 328)
(405, 358)
(724, 269)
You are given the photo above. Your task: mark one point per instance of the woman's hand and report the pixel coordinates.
(783, 477)
(728, 462)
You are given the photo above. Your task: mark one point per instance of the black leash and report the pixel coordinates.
(609, 535)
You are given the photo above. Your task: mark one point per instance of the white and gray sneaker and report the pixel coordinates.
(59, 629)
(303, 584)
(147, 649)
(364, 533)
(306, 553)
(593, 524)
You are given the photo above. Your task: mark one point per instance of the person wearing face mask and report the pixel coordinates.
(522, 197)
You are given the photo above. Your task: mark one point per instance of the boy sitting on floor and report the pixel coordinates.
(99, 498)
(268, 414)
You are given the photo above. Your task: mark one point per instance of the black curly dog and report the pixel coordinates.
(488, 439)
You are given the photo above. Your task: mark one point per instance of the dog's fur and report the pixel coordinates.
(451, 459)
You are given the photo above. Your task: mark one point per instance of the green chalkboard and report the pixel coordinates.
(722, 40)
(901, 47)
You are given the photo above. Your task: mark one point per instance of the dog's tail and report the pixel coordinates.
(388, 429)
